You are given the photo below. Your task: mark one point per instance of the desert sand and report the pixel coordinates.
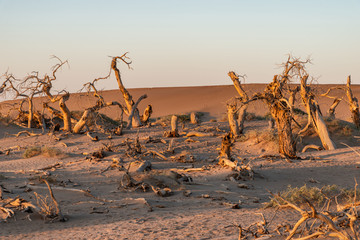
(203, 199)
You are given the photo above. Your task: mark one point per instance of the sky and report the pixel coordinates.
(179, 42)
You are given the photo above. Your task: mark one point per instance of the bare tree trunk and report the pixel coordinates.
(244, 97)
(127, 97)
(31, 113)
(332, 108)
(315, 115)
(287, 144)
(232, 116)
(65, 112)
(354, 105)
(241, 118)
(82, 122)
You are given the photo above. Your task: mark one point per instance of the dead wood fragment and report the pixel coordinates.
(162, 192)
(155, 153)
(146, 165)
(94, 139)
(30, 134)
(199, 134)
(311, 146)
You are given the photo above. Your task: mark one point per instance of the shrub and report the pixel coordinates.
(315, 195)
(45, 151)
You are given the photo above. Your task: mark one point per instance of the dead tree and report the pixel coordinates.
(353, 104)
(243, 98)
(314, 115)
(131, 108)
(27, 89)
(89, 112)
(351, 100)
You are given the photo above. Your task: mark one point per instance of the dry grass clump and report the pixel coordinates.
(45, 151)
(259, 136)
(315, 195)
(340, 127)
(46, 206)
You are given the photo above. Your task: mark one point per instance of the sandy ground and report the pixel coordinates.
(199, 208)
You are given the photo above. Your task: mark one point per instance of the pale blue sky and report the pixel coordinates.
(179, 43)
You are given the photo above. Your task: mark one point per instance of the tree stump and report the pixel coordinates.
(194, 118)
(174, 128)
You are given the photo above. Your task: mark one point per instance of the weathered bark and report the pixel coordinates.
(232, 116)
(126, 95)
(287, 144)
(281, 112)
(243, 98)
(354, 104)
(315, 115)
(147, 114)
